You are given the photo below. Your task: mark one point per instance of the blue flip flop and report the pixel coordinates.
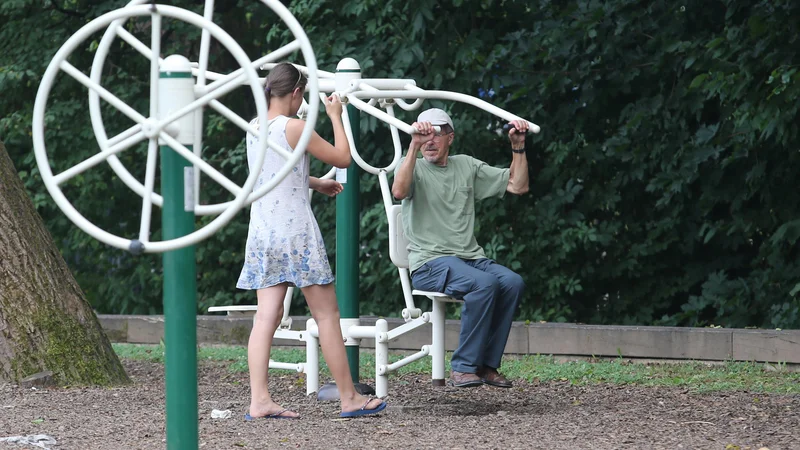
(363, 411)
(277, 415)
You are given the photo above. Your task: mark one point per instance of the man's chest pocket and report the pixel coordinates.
(463, 201)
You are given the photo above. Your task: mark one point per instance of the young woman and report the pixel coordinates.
(285, 247)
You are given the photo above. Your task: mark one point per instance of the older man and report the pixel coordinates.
(439, 193)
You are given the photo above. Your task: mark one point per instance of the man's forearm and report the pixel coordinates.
(518, 182)
(405, 175)
(313, 182)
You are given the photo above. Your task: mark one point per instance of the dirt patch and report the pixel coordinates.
(420, 416)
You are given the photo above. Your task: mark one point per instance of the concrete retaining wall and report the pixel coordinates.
(713, 344)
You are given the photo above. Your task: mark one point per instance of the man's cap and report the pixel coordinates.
(436, 117)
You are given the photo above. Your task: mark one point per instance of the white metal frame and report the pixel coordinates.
(364, 94)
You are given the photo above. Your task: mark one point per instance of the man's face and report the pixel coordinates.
(437, 149)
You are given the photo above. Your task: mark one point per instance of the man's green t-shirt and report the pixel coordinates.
(439, 213)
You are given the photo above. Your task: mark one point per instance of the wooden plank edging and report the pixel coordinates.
(674, 343)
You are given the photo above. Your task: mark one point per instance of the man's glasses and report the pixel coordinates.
(441, 134)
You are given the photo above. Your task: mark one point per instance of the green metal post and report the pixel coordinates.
(347, 239)
(180, 286)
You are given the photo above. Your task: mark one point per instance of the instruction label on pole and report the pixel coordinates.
(341, 175)
(188, 189)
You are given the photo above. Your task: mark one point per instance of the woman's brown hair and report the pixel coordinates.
(283, 79)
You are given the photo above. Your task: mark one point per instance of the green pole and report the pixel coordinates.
(180, 285)
(347, 241)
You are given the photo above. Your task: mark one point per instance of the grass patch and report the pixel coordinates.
(696, 376)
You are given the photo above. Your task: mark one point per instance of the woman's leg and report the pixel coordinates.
(268, 317)
(322, 302)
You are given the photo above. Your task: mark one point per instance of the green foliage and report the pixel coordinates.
(662, 179)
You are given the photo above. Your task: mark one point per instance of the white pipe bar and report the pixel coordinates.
(233, 117)
(386, 193)
(381, 359)
(278, 149)
(135, 43)
(410, 314)
(405, 281)
(291, 335)
(197, 149)
(179, 148)
(149, 182)
(200, 73)
(124, 135)
(304, 69)
(207, 99)
(357, 156)
(383, 83)
(107, 96)
(205, 43)
(200, 102)
(395, 333)
(323, 84)
(372, 101)
(363, 106)
(406, 106)
(398, 148)
(360, 332)
(437, 349)
(155, 48)
(445, 95)
(237, 76)
(426, 350)
(326, 85)
(393, 121)
(97, 159)
(312, 358)
(297, 367)
(286, 321)
(348, 132)
(331, 173)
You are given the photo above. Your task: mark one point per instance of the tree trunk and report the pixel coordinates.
(46, 324)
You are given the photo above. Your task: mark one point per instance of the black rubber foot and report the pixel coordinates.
(136, 247)
(438, 382)
(329, 392)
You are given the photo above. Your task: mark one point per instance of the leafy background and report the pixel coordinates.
(663, 183)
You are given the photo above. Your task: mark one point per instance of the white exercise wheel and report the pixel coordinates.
(162, 129)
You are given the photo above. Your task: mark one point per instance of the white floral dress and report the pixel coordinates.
(284, 244)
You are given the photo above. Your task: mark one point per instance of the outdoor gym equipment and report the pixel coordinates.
(178, 96)
(354, 90)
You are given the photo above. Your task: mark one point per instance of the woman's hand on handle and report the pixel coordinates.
(338, 154)
(333, 105)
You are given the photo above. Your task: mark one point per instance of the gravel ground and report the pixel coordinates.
(420, 416)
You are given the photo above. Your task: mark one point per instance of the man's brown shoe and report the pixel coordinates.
(462, 380)
(493, 378)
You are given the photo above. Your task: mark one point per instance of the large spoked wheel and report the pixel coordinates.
(157, 129)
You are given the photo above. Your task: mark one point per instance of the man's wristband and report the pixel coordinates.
(522, 150)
